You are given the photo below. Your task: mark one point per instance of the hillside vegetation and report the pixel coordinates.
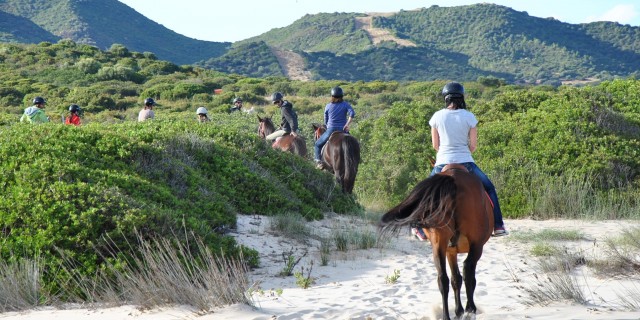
(493, 41)
(490, 41)
(552, 152)
(104, 22)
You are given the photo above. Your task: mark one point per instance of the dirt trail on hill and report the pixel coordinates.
(292, 65)
(378, 35)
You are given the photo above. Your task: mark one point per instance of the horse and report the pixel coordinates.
(457, 217)
(295, 145)
(341, 154)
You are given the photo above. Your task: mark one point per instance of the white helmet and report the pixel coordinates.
(201, 110)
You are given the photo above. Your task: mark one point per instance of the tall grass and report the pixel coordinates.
(575, 196)
(291, 225)
(20, 285)
(556, 282)
(167, 272)
(622, 256)
(161, 272)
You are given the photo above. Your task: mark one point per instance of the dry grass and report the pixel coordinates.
(556, 281)
(20, 285)
(291, 225)
(622, 257)
(558, 276)
(162, 272)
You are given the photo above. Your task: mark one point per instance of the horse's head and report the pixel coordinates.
(265, 127)
(318, 130)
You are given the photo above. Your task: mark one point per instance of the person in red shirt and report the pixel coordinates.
(74, 118)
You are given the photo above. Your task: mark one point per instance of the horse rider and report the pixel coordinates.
(289, 123)
(74, 115)
(35, 113)
(237, 105)
(454, 136)
(338, 115)
(147, 111)
(203, 114)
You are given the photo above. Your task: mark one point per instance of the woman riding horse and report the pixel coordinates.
(452, 209)
(337, 117)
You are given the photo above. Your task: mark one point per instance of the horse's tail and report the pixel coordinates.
(431, 204)
(351, 155)
(299, 146)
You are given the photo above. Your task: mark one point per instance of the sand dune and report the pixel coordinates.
(353, 286)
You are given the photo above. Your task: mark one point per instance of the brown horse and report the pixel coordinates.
(295, 145)
(341, 154)
(457, 217)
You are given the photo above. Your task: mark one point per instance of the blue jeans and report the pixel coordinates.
(488, 186)
(317, 148)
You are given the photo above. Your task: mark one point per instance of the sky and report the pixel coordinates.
(237, 20)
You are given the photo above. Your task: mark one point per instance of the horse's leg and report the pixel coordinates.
(456, 280)
(470, 263)
(439, 253)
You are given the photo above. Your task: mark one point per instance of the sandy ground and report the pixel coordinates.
(353, 286)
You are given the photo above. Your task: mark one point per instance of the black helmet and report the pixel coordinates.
(237, 100)
(149, 101)
(336, 92)
(453, 90)
(39, 100)
(276, 96)
(74, 108)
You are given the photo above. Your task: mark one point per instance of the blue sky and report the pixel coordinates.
(235, 20)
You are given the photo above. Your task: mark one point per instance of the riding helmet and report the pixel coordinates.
(276, 96)
(39, 100)
(149, 101)
(336, 92)
(74, 108)
(453, 90)
(202, 110)
(237, 100)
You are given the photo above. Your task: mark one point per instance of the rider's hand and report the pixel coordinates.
(345, 128)
(294, 134)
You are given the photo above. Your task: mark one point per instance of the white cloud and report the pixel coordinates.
(622, 13)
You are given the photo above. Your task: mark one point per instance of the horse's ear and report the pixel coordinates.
(259, 119)
(314, 126)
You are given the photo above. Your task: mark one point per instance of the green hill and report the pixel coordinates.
(480, 40)
(500, 39)
(18, 29)
(488, 40)
(105, 22)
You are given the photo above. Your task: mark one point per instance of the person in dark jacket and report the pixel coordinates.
(289, 123)
(237, 105)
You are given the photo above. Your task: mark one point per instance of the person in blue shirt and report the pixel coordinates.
(454, 136)
(337, 117)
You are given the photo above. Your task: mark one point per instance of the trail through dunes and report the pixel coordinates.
(292, 65)
(378, 35)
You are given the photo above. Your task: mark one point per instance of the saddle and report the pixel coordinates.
(455, 166)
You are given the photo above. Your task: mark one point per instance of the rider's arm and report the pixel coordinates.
(473, 139)
(346, 126)
(435, 138)
(350, 114)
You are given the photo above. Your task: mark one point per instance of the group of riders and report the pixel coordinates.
(454, 133)
(36, 114)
